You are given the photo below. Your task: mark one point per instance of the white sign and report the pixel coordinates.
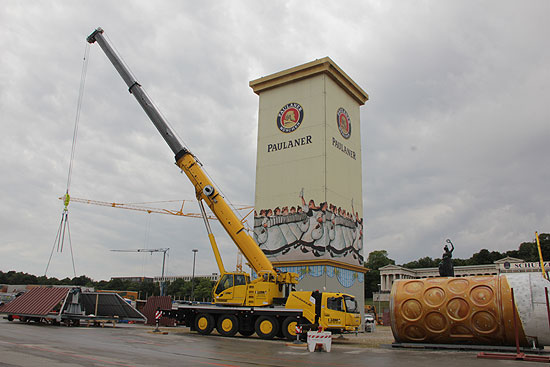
(524, 266)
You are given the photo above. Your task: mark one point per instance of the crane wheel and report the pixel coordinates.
(204, 323)
(289, 327)
(266, 327)
(228, 325)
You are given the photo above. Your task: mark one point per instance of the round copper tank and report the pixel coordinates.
(468, 310)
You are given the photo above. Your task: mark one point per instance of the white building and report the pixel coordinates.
(390, 273)
(170, 278)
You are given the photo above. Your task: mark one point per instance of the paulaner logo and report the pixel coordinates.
(290, 117)
(344, 123)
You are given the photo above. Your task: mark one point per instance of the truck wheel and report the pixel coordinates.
(228, 325)
(266, 327)
(204, 323)
(289, 327)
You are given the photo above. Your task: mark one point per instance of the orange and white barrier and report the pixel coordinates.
(319, 339)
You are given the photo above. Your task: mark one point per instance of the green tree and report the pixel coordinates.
(544, 239)
(528, 251)
(176, 289)
(375, 261)
(203, 289)
(480, 258)
(423, 262)
(13, 277)
(148, 289)
(81, 281)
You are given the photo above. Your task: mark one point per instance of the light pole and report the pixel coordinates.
(379, 291)
(162, 280)
(193, 277)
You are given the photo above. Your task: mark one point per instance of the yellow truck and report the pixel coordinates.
(268, 305)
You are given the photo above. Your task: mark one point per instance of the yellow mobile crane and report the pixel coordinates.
(267, 305)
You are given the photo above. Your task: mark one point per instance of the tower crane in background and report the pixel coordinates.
(148, 209)
(151, 250)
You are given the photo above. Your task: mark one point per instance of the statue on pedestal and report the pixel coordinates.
(446, 268)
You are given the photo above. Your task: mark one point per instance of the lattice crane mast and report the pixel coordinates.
(139, 207)
(148, 209)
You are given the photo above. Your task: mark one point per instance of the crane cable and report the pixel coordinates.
(64, 224)
(242, 219)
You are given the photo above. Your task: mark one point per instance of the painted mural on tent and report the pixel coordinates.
(308, 231)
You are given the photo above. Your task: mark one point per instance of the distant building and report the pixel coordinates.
(134, 279)
(390, 273)
(169, 278)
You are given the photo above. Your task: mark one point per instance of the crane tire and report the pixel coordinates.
(266, 327)
(289, 327)
(228, 325)
(204, 323)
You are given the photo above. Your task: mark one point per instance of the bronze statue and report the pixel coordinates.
(446, 268)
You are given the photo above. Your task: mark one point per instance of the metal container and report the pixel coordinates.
(471, 310)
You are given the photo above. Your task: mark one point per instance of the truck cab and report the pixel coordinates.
(337, 312)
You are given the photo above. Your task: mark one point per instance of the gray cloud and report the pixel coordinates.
(454, 135)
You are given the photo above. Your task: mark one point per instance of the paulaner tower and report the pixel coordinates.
(308, 201)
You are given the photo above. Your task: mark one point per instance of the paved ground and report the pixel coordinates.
(380, 337)
(132, 345)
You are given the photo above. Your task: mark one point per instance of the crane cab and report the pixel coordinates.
(236, 289)
(231, 289)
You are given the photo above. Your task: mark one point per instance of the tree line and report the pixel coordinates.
(178, 289)
(527, 251)
(181, 289)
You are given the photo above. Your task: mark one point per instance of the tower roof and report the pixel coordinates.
(319, 66)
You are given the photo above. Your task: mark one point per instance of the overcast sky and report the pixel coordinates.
(455, 134)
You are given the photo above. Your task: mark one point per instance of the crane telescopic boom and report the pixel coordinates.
(191, 166)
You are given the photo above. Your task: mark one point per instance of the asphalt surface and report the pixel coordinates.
(135, 345)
